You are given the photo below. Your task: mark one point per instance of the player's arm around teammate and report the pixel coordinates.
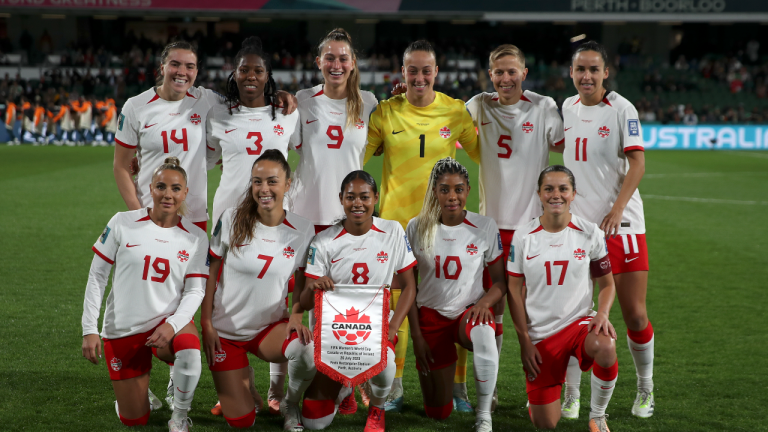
(452, 247)
(161, 264)
(604, 148)
(260, 246)
(554, 320)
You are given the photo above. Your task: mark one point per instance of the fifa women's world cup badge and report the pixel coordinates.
(352, 332)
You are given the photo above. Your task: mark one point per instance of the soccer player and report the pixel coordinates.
(160, 265)
(334, 130)
(358, 241)
(516, 130)
(452, 247)
(555, 255)
(415, 130)
(604, 149)
(259, 245)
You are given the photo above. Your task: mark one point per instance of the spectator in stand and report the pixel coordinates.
(690, 118)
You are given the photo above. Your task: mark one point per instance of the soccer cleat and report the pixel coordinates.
(570, 407)
(154, 402)
(461, 402)
(375, 421)
(483, 426)
(180, 426)
(274, 406)
(292, 414)
(216, 410)
(644, 404)
(394, 405)
(495, 400)
(348, 404)
(599, 424)
(365, 393)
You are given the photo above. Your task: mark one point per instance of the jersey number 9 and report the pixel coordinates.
(335, 134)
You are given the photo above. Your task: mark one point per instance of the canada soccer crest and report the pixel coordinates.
(183, 256)
(603, 131)
(353, 328)
(445, 132)
(360, 123)
(579, 254)
(278, 130)
(382, 257)
(527, 127)
(220, 356)
(195, 119)
(115, 364)
(289, 252)
(472, 249)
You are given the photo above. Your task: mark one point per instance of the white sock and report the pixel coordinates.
(186, 374)
(601, 395)
(381, 384)
(277, 373)
(486, 365)
(311, 321)
(301, 369)
(170, 377)
(642, 354)
(397, 387)
(499, 338)
(573, 378)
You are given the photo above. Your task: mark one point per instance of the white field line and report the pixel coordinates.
(758, 154)
(710, 174)
(703, 200)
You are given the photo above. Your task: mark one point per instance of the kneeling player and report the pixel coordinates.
(555, 319)
(260, 246)
(452, 247)
(138, 322)
(350, 252)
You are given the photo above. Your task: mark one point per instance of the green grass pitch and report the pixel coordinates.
(706, 298)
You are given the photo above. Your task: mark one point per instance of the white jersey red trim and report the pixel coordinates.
(514, 149)
(329, 151)
(597, 139)
(556, 268)
(158, 128)
(452, 272)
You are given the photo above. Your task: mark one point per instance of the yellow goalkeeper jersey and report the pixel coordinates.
(414, 140)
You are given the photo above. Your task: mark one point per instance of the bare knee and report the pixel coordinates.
(545, 422)
(604, 351)
(636, 319)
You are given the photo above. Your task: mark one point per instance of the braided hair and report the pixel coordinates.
(251, 45)
(429, 217)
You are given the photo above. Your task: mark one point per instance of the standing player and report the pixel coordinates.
(453, 246)
(516, 130)
(260, 246)
(156, 290)
(604, 149)
(554, 320)
(358, 242)
(415, 130)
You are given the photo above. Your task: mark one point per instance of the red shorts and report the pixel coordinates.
(321, 228)
(442, 335)
(628, 253)
(555, 352)
(506, 243)
(128, 357)
(234, 354)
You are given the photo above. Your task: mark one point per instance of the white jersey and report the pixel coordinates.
(368, 259)
(254, 281)
(154, 268)
(514, 149)
(239, 139)
(157, 129)
(596, 140)
(452, 273)
(329, 151)
(556, 268)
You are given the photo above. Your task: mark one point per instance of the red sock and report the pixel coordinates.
(439, 413)
(642, 336)
(606, 374)
(141, 421)
(243, 422)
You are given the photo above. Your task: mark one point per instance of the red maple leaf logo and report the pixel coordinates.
(360, 123)
(289, 252)
(527, 127)
(472, 249)
(183, 256)
(579, 254)
(445, 132)
(603, 131)
(195, 119)
(278, 130)
(353, 328)
(382, 257)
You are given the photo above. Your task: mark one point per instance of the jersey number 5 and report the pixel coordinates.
(505, 146)
(182, 140)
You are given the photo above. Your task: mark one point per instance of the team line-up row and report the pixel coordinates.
(509, 133)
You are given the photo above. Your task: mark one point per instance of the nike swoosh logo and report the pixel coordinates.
(149, 126)
(308, 122)
(183, 390)
(568, 129)
(130, 245)
(630, 260)
(635, 349)
(606, 388)
(243, 245)
(530, 258)
(483, 124)
(335, 261)
(395, 133)
(228, 131)
(480, 380)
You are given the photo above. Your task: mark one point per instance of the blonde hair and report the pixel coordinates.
(430, 214)
(354, 95)
(172, 163)
(506, 50)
